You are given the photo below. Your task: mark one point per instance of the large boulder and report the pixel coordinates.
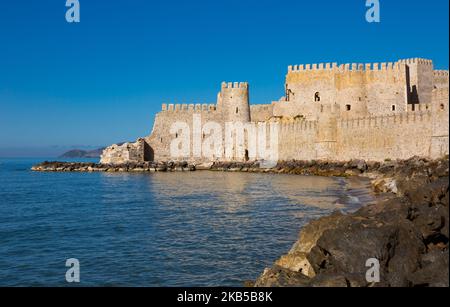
(407, 233)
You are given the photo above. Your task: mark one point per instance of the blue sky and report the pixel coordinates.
(102, 80)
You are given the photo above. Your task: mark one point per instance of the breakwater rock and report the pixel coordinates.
(128, 167)
(407, 234)
(320, 168)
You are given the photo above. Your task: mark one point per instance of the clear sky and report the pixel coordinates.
(102, 80)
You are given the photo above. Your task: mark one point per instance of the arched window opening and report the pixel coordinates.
(317, 96)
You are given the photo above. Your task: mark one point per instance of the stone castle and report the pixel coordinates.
(329, 112)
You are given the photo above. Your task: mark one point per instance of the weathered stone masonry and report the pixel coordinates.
(329, 111)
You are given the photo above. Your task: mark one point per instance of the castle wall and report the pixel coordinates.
(359, 89)
(383, 90)
(330, 112)
(290, 109)
(303, 82)
(440, 132)
(160, 138)
(261, 112)
(389, 136)
(440, 79)
(421, 130)
(127, 152)
(297, 140)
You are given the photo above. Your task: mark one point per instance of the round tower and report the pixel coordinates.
(233, 102)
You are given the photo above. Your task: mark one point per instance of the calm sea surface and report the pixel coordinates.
(163, 229)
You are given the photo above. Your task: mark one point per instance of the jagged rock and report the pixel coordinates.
(330, 280)
(278, 276)
(408, 233)
(204, 166)
(313, 231)
(296, 262)
(385, 185)
(359, 165)
(433, 270)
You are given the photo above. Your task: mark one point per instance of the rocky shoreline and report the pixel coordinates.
(407, 233)
(319, 168)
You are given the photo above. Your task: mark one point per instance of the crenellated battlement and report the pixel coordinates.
(357, 66)
(309, 67)
(422, 107)
(231, 85)
(386, 120)
(298, 125)
(416, 61)
(188, 107)
(345, 67)
(440, 73)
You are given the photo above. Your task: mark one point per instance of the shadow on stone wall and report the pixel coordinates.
(149, 154)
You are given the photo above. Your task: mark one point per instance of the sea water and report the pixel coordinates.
(155, 229)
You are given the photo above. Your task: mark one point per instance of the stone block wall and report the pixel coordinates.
(125, 153)
(261, 112)
(329, 111)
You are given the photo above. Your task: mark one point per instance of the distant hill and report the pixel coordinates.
(78, 153)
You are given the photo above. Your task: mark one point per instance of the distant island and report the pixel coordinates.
(78, 153)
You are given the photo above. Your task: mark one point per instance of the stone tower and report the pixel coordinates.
(419, 80)
(233, 102)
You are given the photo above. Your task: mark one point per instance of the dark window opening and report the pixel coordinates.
(237, 110)
(176, 135)
(317, 96)
(393, 107)
(442, 106)
(359, 98)
(348, 107)
(289, 92)
(161, 140)
(246, 155)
